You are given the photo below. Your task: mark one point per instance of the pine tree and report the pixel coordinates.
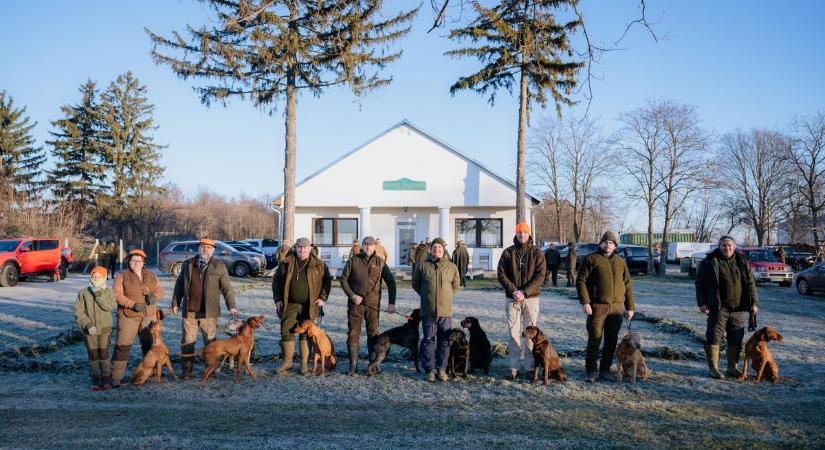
(264, 50)
(521, 44)
(79, 173)
(128, 148)
(20, 160)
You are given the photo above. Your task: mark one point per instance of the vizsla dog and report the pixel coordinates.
(324, 350)
(545, 356)
(629, 358)
(155, 358)
(237, 346)
(756, 351)
(405, 335)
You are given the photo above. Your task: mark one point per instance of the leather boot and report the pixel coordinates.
(105, 373)
(353, 359)
(118, 371)
(94, 375)
(733, 361)
(288, 350)
(712, 355)
(303, 348)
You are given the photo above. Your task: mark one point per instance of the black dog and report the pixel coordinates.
(459, 359)
(406, 336)
(480, 350)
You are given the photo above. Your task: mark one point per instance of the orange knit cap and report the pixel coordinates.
(523, 227)
(99, 270)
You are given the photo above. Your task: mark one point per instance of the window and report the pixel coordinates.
(479, 232)
(269, 243)
(334, 232)
(50, 244)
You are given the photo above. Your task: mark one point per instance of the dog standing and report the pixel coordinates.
(459, 359)
(756, 351)
(545, 356)
(238, 346)
(405, 335)
(156, 358)
(324, 350)
(629, 358)
(481, 355)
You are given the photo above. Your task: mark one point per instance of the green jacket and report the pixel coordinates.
(707, 283)
(94, 309)
(215, 282)
(603, 279)
(318, 279)
(436, 284)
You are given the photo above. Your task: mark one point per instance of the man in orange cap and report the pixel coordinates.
(201, 282)
(521, 272)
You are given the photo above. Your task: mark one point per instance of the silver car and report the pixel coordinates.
(239, 264)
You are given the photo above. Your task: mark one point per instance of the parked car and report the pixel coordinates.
(582, 250)
(25, 257)
(766, 267)
(239, 263)
(269, 247)
(695, 259)
(635, 256)
(811, 280)
(798, 260)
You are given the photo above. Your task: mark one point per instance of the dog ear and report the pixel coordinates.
(539, 335)
(159, 314)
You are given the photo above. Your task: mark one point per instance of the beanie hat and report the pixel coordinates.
(438, 241)
(523, 226)
(609, 236)
(99, 270)
(726, 238)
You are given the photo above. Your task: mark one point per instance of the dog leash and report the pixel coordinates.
(629, 324)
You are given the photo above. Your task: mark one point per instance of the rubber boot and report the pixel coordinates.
(733, 361)
(353, 359)
(288, 350)
(94, 375)
(105, 373)
(303, 348)
(118, 371)
(186, 372)
(712, 355)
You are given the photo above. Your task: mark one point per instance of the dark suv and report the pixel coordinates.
(635, 256)
(239, 263)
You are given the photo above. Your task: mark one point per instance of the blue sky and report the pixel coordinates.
(743, 63)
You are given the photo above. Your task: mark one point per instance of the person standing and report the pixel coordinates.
(356, 249)
(435, 280)
(198, 288)
(572, 261)
(520, 272)
(604, 289)
(137, 292)
(283, 250)
(381, 251)
(422, 251)
(726, 292)
(552, 258)
(93, 314)
(300, 289)
(461, 259)
(361, 281)
(411, 254)
(114, 258)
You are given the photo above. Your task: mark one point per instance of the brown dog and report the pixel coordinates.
(156, 357)
(756, 351)
(629, 358)
(324, 350)
(238, 346)
(545, 356)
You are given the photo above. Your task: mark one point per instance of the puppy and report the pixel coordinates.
(238, 346)
(544, 356)
(156, 358)
(324, 350)
(459, 360)
(756, 351)
(405, 335)
(629, 358)
(481, 355)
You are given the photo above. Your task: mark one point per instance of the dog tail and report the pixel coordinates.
(187, 355)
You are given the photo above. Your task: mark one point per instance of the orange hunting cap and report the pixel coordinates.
(99, 270)
(523, 227)
(136, 252)
(209, 242)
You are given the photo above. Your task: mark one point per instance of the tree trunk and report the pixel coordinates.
(521, 165)
(650, 266)
(291, 139)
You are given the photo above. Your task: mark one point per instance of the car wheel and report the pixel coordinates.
(9, 276)
(175, 270)
(802, 286)
(240, 270)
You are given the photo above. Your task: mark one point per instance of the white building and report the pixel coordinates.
(404, 186)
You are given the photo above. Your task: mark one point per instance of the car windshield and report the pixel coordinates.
(8, 246)
(762, 256)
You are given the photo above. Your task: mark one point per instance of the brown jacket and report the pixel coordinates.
(521, 268)
(362, 276)
(215, 282)
(318, 279)
(129, 290)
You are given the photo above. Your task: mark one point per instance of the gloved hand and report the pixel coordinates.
(148, 299)
(139, 307)
(92, 331)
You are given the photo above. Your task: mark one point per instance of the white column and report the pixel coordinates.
(364, 223)
(444, 225)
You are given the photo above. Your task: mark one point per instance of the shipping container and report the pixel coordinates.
(641, 238)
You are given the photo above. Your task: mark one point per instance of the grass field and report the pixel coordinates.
(45, 401)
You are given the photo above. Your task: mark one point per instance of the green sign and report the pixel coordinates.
(405, 184)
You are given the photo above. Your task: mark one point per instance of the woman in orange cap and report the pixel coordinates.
(93, 314)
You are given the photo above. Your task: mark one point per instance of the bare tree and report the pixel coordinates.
(754, 167)
(585, 160)
(706, 214)
(544, 165)
(808, 159)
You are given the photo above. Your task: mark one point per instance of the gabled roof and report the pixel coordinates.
(429, 136)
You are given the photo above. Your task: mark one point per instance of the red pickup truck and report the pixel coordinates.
(24, 257)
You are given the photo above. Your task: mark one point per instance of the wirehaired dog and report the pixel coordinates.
(405, 335)
(760, 358)
(459, 360)
(629, 358)
(544, 356)
(322, 345)
(481, 355)
(156, 358)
